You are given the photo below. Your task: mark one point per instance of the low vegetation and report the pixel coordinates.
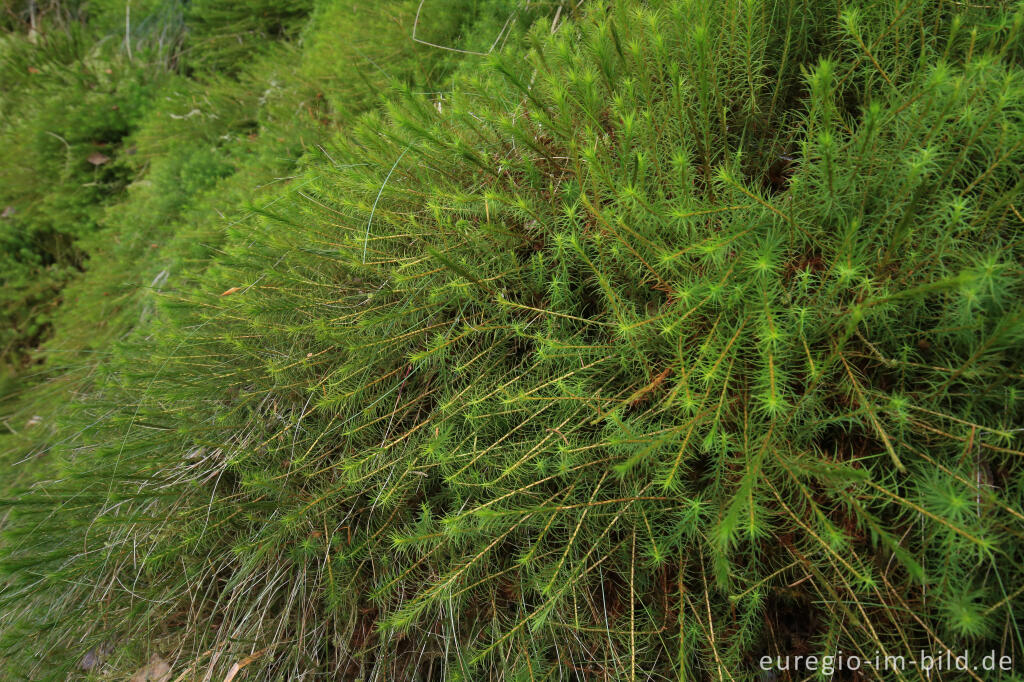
(593, 341)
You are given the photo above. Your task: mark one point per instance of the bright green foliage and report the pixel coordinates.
(669, 336)
(223, 36)
(74, 93)
(61, 130)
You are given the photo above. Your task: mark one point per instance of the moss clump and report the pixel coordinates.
(668, 337)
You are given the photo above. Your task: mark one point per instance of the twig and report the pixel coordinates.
(416, 23)
(366, 241)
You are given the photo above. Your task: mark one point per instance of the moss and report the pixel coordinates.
(664, 337)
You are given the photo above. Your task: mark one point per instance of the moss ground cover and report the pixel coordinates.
(658, 338)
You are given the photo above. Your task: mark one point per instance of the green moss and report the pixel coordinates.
(660, 339)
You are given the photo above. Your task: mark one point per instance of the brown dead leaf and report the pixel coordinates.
(98, 159)
(241, 664)
(156, 670)
(231, 291)
(33, 69)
